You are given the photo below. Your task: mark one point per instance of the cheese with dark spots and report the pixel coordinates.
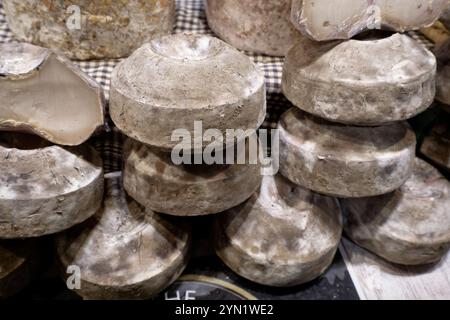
(282, 236)
(368, 82)
(125, 251)
(345, 161)
(410, 226)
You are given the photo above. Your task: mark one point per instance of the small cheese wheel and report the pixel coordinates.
(152, 179)
(261, 26)
(86, 29)
(345, 161)
(436, 145)
(282, 236)
(193, 78)
(18, 262)
(323, 20)
(410, 226)
(125, 251)
(361, 82)
(46, 189)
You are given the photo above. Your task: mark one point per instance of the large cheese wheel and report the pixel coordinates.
(90, 29)
(125, 251)
(371, 81)
(345, 161)
(46, 189)
(152, 179)
(193, 78)
(409, 226)
(262, 26)
(282, 236)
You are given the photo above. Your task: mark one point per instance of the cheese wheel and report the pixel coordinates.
(125, 251)
(282, 236)
(410, 226)
(194, 78)
(152, 179)
(90, 29)
(345, 161)
(261, 26)
(367, 82)
(44, 188)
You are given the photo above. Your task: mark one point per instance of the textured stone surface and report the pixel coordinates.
(443, 85)
(362, 82)
(108, 29)
(342, 19)
(436, 145)
(262, 26)
(45, 94)
(410, 226)
(345, 161)
(18, 261)
(151, 178)
(46, 189)
(125, 251)
(282, 236)
(193, 78)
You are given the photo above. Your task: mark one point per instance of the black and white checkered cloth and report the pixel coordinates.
(190, 17)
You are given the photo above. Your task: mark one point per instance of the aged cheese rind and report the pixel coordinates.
(125, 251)
(282, 236)
(323, 20)
(46, 189)
(193, 78)
(261, 26)
(345, 161)
(359, 82)
(107, 29)
(151, 178)
(46, 94)
(410, 226)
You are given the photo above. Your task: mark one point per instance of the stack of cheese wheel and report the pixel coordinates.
(200, 87)
(284, 235)
(347, 136)
(50, 180)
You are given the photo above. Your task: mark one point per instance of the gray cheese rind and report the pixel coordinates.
(410, 226)
(357, 82)
(282, 236)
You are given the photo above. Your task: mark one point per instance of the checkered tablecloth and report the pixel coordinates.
(190, 17)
